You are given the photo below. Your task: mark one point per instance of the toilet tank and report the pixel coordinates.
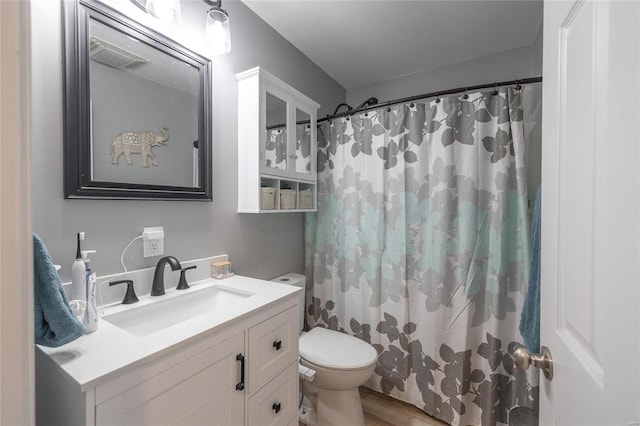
(297, 280)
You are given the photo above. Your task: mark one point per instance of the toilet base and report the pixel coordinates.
(339, 408)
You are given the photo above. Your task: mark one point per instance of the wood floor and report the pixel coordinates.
(381, 410)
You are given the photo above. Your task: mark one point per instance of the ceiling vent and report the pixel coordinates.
(113, 56)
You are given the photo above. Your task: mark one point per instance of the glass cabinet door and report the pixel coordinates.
(276, 135)
(303, 142)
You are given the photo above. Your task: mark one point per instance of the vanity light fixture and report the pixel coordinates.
(164, 10)
(217, 32)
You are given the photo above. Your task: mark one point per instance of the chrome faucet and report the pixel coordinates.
(157, 289)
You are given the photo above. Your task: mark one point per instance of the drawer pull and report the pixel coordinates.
(240, 386)
(276, 407)
(277, 344)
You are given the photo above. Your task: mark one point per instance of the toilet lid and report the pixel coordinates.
(332, 349)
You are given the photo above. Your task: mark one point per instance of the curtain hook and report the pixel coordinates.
(437, 97)
(466, 94)
(495, 89)
(348, 117)
(518, 85)
(389, 106)
(411, 105)
(366, 113)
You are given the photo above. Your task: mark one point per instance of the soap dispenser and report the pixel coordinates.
(78, 274)
(90, 320)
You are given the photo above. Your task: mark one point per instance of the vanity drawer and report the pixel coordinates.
(273, 345)
(275, 404)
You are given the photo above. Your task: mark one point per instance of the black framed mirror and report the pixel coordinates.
(137, 110)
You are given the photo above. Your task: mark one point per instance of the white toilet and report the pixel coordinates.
(342, 363)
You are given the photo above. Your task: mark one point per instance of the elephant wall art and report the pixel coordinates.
(128, 143)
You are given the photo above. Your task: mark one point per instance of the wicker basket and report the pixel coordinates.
(267, 198)
(305, 199)
(287, 199)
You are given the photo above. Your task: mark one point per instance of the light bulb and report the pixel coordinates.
(217, 32)
(217, 37)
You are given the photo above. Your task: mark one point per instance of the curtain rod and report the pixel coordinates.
(283, 125)
(433, 94)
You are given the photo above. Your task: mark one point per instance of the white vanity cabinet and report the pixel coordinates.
(273, 346)
(199, 390)
(277, 145)
(244, 374)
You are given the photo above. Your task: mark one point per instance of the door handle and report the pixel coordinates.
(277, 344)
(523, 358)
(276, 407)
(240, 386)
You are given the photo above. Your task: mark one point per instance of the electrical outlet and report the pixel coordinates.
(153, 241)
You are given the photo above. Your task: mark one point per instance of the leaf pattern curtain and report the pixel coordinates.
(303, 148)
(420, 246)
(276, 148)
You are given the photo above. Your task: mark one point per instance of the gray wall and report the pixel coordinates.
(511, 64)
(537, 48)
(259, 245)
(534, 119)
(508, 65)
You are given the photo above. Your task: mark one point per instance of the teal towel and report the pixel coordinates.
(530, 318)
(55, 324)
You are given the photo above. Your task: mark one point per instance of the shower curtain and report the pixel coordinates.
(420, 247)
(276, 147)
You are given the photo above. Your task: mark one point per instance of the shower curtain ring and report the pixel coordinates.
(388, 106)
(495, 89)
(466, 94)
(437, 97)
(518, 85)
(411, 105)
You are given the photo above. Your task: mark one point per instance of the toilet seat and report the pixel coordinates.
(335, 350)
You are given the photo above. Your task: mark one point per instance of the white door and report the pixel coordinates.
(590, 214)
(17, 372)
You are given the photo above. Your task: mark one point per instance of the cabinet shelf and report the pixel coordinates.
(276, 146)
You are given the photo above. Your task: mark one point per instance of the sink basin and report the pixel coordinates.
(151, 318)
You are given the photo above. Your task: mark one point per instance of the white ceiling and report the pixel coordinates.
(362, 42)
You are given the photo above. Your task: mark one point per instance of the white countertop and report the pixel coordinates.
(96, 357)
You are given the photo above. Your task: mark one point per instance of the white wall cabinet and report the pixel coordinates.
(205, 382)
(277, 145)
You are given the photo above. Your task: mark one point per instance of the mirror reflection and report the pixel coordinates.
(137, 110)
(276, 143)
(143, 112)
(303, 142)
